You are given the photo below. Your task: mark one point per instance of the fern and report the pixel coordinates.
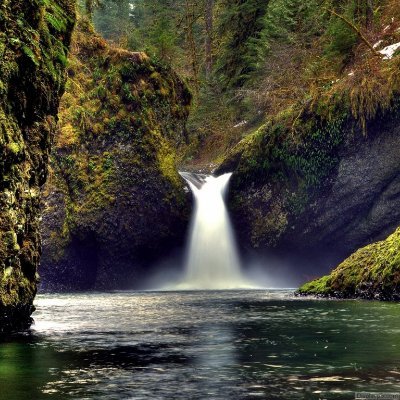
(57, 23)
(30, 54)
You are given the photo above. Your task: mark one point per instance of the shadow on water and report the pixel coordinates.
(60, 373)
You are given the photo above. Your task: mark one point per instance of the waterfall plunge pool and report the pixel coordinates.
(202, 345)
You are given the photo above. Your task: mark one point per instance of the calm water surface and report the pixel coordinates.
(202, 345)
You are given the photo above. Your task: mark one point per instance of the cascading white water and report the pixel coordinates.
(212, 259)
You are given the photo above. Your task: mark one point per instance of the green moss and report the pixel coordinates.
(292, 154)
(14, 148)
(274, 152)
(120, 121)
(374, 269)
(318, 286)
(31, 83)
(167, 165)
(10, 240)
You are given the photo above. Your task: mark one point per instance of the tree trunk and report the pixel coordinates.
(190, 20)
(369, 13)
(90, 5)
(209, 6)
(357, 30)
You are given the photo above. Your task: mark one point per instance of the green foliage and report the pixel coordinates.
(288, 20)
(108, 161)
(314, 158)
(88, 6)
(112, 19)
(127, 94)
(149, 26)
(56, 22)
(266, 54)
(156, 36)
(29, 53)
(270, 154)
(243, 43)
(342, 37)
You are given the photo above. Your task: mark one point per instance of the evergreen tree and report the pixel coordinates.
(112, 19)
(342, 37)
(294, 21)
(243, 45)
(90, 6)
(155, 28)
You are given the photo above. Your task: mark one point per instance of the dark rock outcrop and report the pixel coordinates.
(359, 201)
(321, 198)
(34, 40)
(115, 203)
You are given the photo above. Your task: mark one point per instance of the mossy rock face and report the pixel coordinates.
(372, 272)
(34, 40)
(115, 203)
(318, 194)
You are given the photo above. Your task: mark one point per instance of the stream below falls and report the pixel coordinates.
(260, 344)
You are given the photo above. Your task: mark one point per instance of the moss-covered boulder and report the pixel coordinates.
(372, 272)
(115, 202)
(34, 40)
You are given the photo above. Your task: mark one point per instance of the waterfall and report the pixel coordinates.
(212, 260)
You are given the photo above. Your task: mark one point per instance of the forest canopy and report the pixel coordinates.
(245, 60)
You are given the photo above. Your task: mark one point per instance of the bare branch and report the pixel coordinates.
(355, 29)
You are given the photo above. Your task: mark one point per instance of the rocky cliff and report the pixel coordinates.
(115, 203)
(34, 40)
(329, 194)
(322, 179)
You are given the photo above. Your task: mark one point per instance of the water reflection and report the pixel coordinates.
(202, 345)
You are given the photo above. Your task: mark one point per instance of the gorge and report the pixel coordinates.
(299, 190)
(285, 115)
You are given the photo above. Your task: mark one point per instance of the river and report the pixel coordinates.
(261, 344)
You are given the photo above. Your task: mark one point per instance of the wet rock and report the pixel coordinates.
(32, 66)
